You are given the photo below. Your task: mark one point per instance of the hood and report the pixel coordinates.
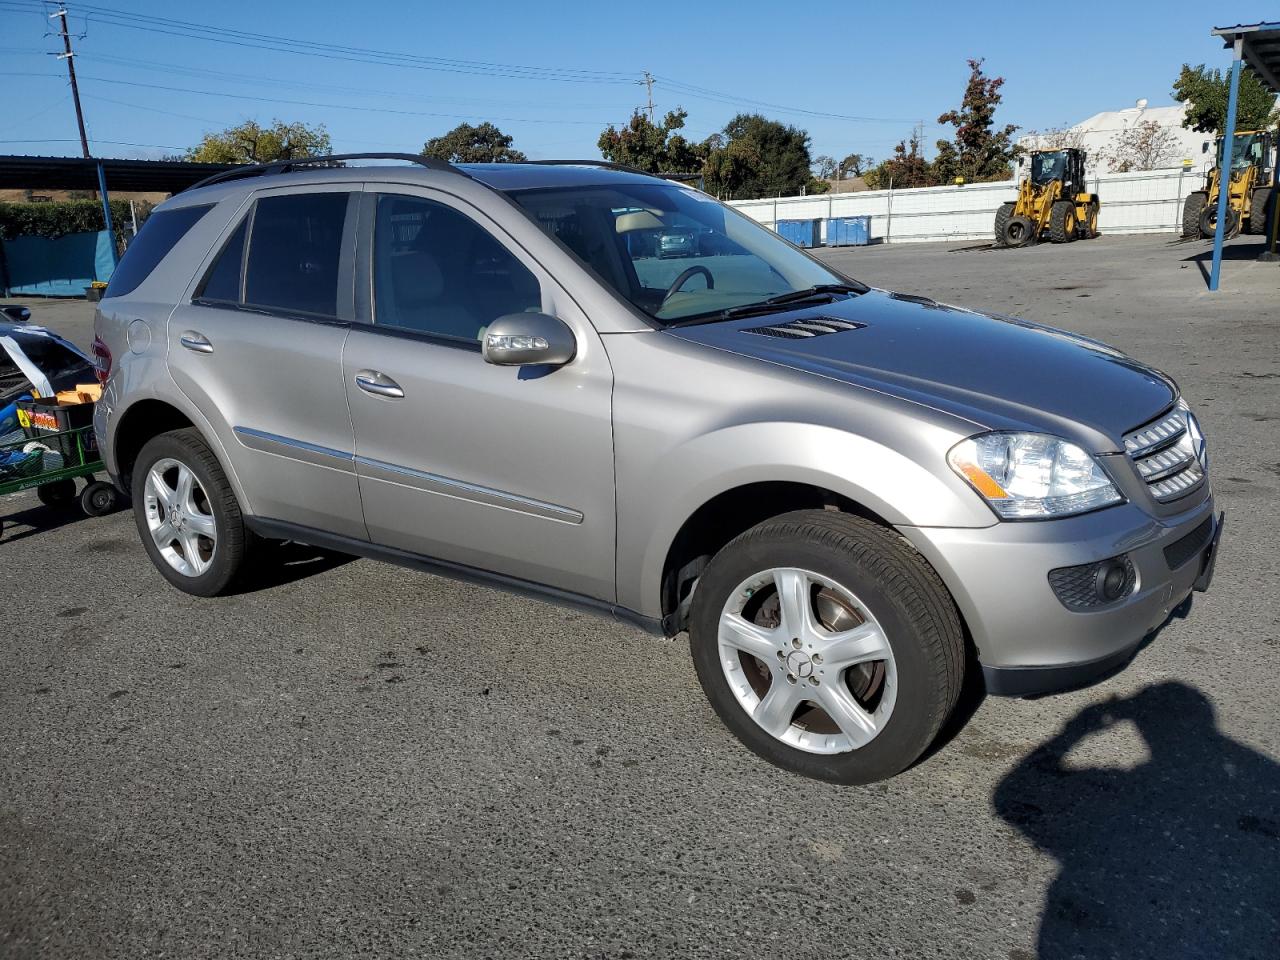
(997, 371)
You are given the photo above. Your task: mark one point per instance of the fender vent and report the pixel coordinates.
(805, 328)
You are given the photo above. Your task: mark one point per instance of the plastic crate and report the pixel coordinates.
(62, 424)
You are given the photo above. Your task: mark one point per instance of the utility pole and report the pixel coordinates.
(69, 56)
(648, 83)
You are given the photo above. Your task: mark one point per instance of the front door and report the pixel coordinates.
(258, 350)
(504, 469)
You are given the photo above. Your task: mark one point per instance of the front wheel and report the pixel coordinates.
(187, 514)
(827, 645)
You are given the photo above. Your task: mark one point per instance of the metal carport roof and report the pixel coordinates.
(80, 173)
(1258, 45)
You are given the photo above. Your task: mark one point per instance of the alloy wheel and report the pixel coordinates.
(179, 517)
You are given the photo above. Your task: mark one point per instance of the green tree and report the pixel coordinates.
(906, 168)
(250, 142)
(1205, 91)
(653, 147)
(824, 167)
(980, 151)
(467, 144)
(757, 157)
(854, 165)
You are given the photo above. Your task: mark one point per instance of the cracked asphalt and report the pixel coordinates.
(358, 760)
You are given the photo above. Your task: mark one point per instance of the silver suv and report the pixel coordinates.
(849, 498)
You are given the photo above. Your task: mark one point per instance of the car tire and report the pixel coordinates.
(873, 577)
(206, 546)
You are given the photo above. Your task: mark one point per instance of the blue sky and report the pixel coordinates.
(553, 75)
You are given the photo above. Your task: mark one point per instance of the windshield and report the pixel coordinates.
(1246, 150)
(1048, 166)
(673, 252)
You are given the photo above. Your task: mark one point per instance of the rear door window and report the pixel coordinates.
(295, 253)
(156, 238)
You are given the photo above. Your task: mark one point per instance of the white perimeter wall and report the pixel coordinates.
(1149, 201)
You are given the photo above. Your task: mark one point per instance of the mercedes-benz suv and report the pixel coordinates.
(848, 497)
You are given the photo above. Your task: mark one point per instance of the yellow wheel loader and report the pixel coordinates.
(1052, 202)
(1249, 189)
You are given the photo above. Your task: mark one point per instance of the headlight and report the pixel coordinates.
(1030, 476)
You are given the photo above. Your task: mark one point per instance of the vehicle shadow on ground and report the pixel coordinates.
(284, 563)
(1177, 857)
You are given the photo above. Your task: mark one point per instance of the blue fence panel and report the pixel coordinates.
(38, 266)
(848, 231)
(803, 233)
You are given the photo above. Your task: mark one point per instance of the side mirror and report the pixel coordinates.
(16, 313)
(525, 339)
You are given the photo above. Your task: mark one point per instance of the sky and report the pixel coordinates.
(387, 76)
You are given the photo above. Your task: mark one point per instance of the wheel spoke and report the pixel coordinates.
(778, 706)
(164, 534)
(191, 551)
(201, 523)
(854, 722)
(863, 643)
(741, 634)
(795, 603)
(185, 486)
(160, 490)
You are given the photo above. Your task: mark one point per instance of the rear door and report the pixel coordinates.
(258, 349)
(506, 469)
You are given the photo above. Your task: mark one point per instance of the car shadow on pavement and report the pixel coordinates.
(1176, 857)
(284, 563)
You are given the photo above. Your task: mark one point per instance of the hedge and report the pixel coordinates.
(59, 218)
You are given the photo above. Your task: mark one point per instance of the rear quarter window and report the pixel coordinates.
(153, 242)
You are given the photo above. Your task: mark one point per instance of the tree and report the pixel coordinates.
(468, 144)
(1145, 145)
(854, 165)
(249, 142)
(906, 168)
(757, 157)
(824, 167)
(981, 151)
(1205, 93)
(1054, 138)
(653, 147)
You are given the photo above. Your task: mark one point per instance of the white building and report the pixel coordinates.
(1097, 134)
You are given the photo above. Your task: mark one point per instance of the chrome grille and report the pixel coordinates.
(1169, 454)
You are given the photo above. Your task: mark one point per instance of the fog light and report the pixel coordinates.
(1093, 585)
(1111, 581)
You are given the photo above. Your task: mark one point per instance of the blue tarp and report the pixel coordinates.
(37, 266)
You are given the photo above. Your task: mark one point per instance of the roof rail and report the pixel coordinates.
(608, 164)
(284, 166)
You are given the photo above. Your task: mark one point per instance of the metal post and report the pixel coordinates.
(1224, 170)
(888, 225)
(106, 212)
(1177, 208)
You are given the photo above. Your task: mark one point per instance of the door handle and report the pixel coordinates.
(379, 384)
(197, 342)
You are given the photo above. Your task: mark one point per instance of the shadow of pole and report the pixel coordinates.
(1177, 857)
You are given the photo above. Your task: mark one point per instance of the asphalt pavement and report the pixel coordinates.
(357, 760)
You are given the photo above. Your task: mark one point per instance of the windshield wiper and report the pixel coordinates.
(772, 303)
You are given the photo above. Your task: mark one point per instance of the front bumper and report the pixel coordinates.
(1028, 642)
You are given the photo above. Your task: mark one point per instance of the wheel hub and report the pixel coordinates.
(800, 665)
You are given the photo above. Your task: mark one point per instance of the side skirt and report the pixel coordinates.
(280, 530)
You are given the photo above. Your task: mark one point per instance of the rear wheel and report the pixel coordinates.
(1260, 202)
(187, 514)
(1192, 208)
(1018, 231)
(60, 493)
(1003, 213)
(1062, 222)
(827, 646)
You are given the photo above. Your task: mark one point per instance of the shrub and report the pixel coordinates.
(59, 218)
